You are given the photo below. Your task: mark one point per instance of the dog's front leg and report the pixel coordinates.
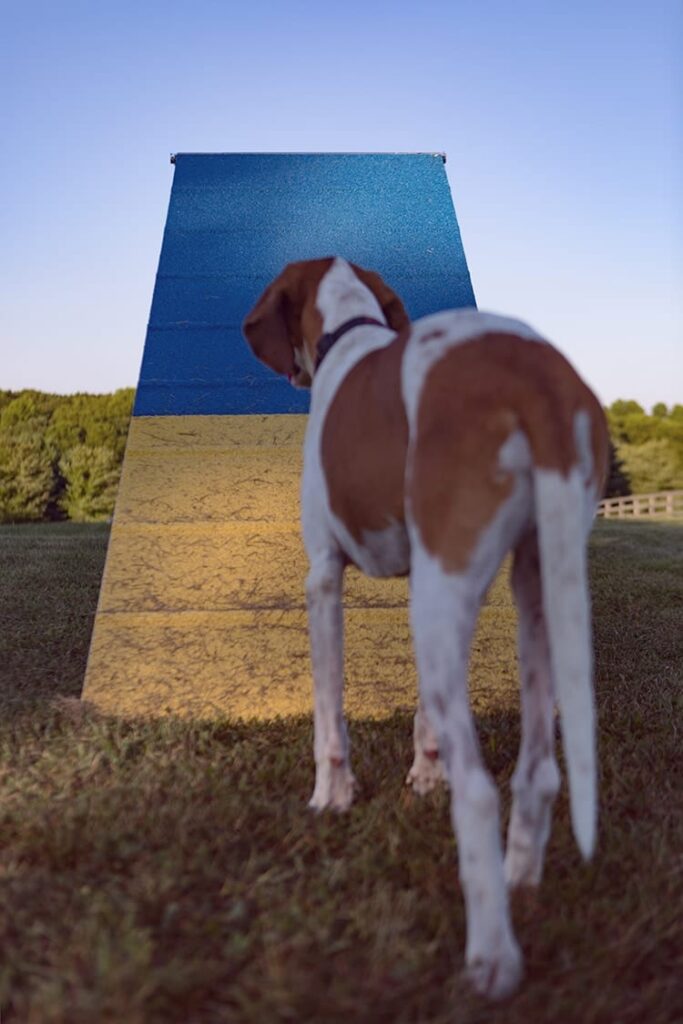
(334, 781)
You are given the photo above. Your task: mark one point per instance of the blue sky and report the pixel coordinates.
(563, 125)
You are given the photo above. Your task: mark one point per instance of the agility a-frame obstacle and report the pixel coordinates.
(201, 610)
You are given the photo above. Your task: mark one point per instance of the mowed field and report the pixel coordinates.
(170, 871)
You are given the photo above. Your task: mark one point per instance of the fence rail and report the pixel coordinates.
(662, 505)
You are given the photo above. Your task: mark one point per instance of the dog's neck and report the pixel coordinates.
(328, 341)
(346, 306)
(342, 296)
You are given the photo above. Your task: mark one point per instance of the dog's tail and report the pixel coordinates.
(562, 518)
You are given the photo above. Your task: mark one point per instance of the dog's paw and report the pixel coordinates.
(496, 975)
(334, 786)
(523, 865)
(426, 773)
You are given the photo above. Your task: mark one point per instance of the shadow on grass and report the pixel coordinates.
(50, 579)
(169, 870)
(172, 868)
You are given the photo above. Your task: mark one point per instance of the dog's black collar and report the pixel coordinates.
(328, 340)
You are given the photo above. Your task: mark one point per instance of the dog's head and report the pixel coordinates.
(286, 324)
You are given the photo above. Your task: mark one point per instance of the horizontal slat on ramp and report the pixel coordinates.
(211, 469)
(217, 432)
(220, 566)
(255, 664)
(250, 664)
(211, 486)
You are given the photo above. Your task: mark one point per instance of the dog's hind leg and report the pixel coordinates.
(444, 609)
(536, 779)
(334, 781)
(427, 770)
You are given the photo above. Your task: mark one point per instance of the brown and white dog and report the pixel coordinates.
(434, 449)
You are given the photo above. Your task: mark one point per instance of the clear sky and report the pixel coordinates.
(562, 121)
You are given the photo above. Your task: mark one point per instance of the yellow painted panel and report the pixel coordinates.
(211, 468)
(215, 485)
(255, 664)
(201, 610)
(250, 664)
(198, 432)
(189, 566)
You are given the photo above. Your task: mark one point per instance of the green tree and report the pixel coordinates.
(25, 412)
(656, 465)
(618, 483)
(26, 480)
(96, 420)
(672, 430)
(29, 481)
(6, 397)
(630, 424)
(624, 407)
(91, 473)
(61, 453)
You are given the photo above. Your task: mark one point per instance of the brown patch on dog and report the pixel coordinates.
(365, 440)
(472, 400)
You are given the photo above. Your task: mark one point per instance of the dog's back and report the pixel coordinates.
(488, 400)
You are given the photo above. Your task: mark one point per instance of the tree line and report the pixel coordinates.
(648, 447)
(61, 456)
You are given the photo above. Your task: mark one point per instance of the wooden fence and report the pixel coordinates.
(663, 505)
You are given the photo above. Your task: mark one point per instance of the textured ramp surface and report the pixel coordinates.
(201, 609)
(234, 221)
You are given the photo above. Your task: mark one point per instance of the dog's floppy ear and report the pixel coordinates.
(392, 307)
(265, 328)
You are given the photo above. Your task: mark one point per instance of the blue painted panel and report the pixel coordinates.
(255, 253)
(213, 301)
(430, 295)
(209, 355)
(220, 209)
(295, 172)
(235, 220)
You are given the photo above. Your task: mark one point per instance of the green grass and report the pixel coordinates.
(49, 582)
(169, 871)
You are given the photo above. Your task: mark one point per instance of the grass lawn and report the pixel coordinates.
(169, 871)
